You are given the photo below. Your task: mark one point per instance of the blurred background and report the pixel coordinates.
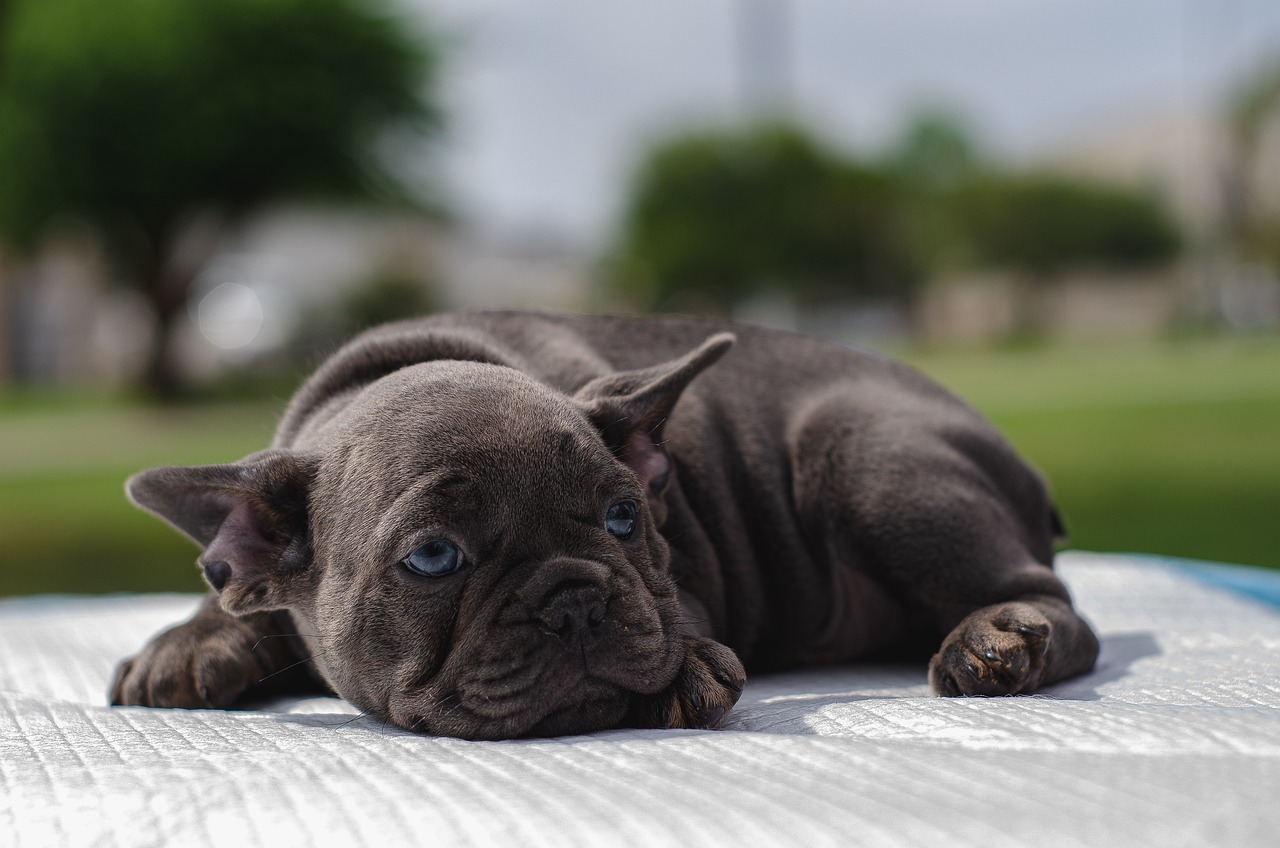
(1067, 212)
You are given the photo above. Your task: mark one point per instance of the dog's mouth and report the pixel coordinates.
(560, 702)
(570, 663)
(593, 707)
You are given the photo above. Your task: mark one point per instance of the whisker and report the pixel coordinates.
(357, 717)
(457, 706)
(279, 635)
(292, 665)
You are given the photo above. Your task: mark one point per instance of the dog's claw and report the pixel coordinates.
(712, 718)
(706, 688)
(733, 684)
(998, 650)
(191, 666)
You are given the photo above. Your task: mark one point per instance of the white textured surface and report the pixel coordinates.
(1174, 740)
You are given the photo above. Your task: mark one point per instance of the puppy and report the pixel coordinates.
(509, 524)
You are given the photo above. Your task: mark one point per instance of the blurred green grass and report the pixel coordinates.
(65, 525)
(1166, 447)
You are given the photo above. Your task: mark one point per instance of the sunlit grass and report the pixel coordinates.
(1170, 448)
(65, 525)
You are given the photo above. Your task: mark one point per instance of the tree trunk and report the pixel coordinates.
(168, 276)
(161, 377)
(6, 343)
(1031, 319)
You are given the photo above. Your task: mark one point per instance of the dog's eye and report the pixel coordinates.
(435, 559)
(620, 520)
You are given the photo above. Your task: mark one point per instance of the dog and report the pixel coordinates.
(507, 524)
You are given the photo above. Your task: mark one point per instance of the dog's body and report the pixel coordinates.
(503, 524)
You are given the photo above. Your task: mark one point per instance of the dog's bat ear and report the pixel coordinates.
(250, 517)
(631, 407)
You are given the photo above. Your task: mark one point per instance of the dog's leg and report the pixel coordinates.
(956, 528)
(213, 660)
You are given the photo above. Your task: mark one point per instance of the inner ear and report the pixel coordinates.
(250, 517)
(648, 460)
(252, 560)
(630, 409)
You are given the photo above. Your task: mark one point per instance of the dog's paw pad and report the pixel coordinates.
(189, 669)
(995, 651)
(222, 672)
(706, 688)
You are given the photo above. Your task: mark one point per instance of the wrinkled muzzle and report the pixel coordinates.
(561, 648)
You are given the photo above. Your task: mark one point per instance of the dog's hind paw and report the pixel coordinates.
(706, 688)
(998, 650)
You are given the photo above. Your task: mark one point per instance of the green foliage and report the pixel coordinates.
(725, 216)
(719, 217)
(933, 157)
(131, 112)
(935, 153)
(1042, 224)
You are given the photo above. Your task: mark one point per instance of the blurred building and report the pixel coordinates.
(62, 322)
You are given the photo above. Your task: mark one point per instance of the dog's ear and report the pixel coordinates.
(631, 407)
(250, 517)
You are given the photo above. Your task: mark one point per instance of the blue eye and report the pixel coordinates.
(620, 520)
(435, 559)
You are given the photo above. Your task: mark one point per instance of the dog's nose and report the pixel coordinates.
(574, 612)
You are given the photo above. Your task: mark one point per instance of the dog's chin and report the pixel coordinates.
(556, 700)
(582, 718)
(599, 711)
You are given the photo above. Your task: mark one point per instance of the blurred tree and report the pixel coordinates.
(934, 153)
(717, 218)
(1250, 225)
(1040, 225)
(933, 156)
(1043, 224)
(163, 123)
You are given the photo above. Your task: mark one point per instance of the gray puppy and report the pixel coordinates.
(509, 524)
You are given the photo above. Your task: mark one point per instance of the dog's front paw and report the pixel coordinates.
(191, 666)
(706, 688)
(998, 650)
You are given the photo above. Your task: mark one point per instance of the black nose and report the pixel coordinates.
(573, 612)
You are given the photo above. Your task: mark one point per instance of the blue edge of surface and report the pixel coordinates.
(1259, 584)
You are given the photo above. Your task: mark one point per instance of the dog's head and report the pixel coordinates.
(465, 551)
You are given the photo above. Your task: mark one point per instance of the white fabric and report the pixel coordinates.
(1174, 740)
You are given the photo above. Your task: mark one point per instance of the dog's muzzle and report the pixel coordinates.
(574, 611)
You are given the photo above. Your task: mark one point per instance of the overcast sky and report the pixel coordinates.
(551, 101)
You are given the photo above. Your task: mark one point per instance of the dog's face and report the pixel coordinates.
(487, 567)
(465, 551)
